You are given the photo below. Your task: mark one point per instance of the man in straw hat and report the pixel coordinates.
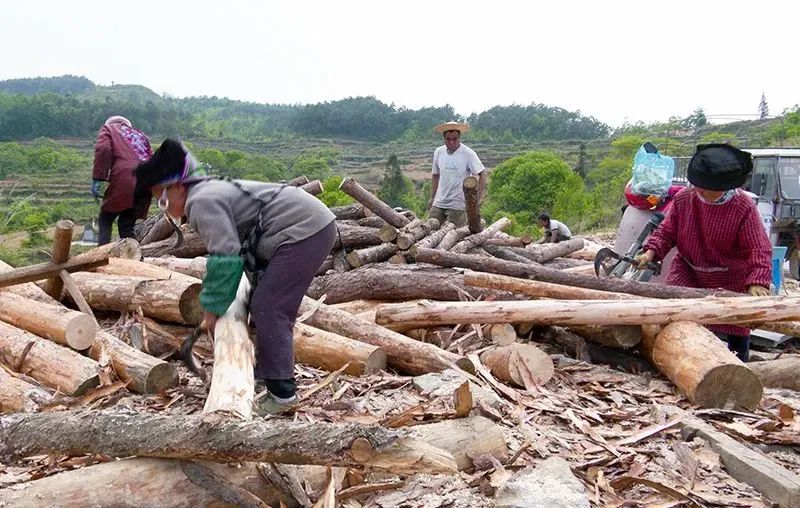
(718, 234)
(452, 163)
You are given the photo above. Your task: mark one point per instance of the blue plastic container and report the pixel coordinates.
(778, 256)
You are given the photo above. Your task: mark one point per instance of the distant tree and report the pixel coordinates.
(696, 120)
(395, 189)
(763, 107)
(580, 168)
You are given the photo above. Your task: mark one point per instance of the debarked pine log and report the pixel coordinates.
(451, 238)
(62, 241)
(593, 312)
(546, 251)
(169, 300)
(48, 363)
(120, 266)
(779, 373)
(331, 351)
(27, 289)
(144, 373)
(17, 395)
(700, 365)
(433, 239)
(473, 208)
(232, 382)
(126, 248)
(193, 267)
(402, 353)
(369, 200)
(202, 437)
(515, 362)
(397, 283)
(51, 321)
(477, 239)
(408, 236)
(43, 271)
(150, 482)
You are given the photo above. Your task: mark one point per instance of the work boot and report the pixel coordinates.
(270, 404)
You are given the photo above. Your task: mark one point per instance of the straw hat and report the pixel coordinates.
(452, 126)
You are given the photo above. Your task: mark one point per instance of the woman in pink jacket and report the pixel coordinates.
(118, 150)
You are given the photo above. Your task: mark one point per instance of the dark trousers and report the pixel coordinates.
(274, 305)
(739, 344)
(127, 218)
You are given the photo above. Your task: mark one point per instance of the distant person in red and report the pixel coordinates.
(718, 234)
(118, 150)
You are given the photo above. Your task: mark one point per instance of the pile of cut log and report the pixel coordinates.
(475, 319)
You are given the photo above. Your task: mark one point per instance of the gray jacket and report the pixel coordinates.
(222, 215)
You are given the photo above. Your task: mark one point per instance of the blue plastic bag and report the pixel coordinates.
(652, 172)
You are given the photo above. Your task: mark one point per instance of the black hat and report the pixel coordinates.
(168, 161)
(719, 167)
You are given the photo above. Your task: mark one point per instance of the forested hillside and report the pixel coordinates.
(541, 158)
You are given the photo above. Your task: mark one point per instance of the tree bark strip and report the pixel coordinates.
(397, 283)
(546, 251)
(700, 365)
(477, 239)
(50, 364)
(369, 200)
(473, 208)
(169, 300)
(402, 353)
(54, 322)
(592, 312)
(779, 373)
(62, 241)
(331, 351)
(144, 373)
(217, 439)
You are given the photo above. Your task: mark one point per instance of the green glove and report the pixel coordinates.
(221, 282)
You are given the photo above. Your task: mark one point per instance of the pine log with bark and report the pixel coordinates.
(408, 236)
(473, 207)
(192, 246)
(778, 373)
(339, 261)
(298, 181)
(398, 283)
(48, 363)
(372, 222)
(193, 267)
(349, 237)
(546, 251)
(579, 348)
(506, 253)
(62, 241)
(369, 200)
(313, 187)
(592, 312)
(617, 336)
(201, 437)
(376, 254)
(700, 365)
(452, 238)
(353, 211)
(54, 322)
(402, 353)
(477, 239)
(169, 300)
(153, 229)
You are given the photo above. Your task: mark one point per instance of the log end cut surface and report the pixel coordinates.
(189, 304)
(161, 377)
(80, 331)
(736, 383)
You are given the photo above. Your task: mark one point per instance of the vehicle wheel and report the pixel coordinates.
(794, 262)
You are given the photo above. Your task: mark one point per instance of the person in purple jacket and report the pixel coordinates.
(718, 234)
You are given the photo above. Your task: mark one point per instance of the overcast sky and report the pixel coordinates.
(614, 60)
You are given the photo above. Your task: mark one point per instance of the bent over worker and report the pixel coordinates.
(718, 234)
(452, 163)
(278, 234)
